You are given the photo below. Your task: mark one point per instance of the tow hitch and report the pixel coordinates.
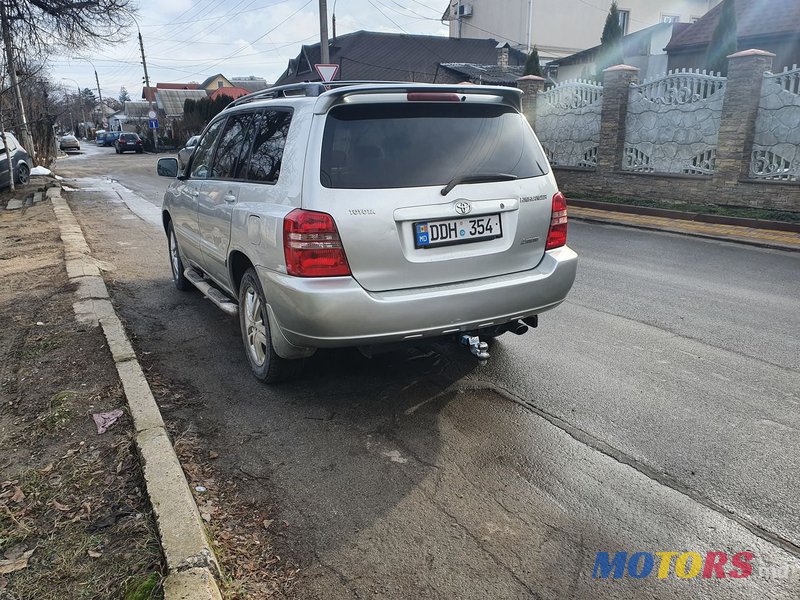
(477, 347)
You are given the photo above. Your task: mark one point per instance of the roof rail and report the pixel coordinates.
(282, 91)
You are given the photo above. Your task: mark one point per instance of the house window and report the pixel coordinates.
(624, 19)
(670, 18)
(220, 84)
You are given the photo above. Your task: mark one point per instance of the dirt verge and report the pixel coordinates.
(74, 517)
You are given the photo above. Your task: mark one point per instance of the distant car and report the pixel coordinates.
(69, 142)
(20, 161)
(185, 153)
(110, 138)
(100, 137)
(129, 142)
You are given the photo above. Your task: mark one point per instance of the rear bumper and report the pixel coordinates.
(337, 312)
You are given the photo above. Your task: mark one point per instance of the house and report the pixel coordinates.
(643, 49)
(215, 82)
(560, 28)
(379, 56)
(251, 83)
(149, 93)
(774, 27)
(134, 113)
(499, 73)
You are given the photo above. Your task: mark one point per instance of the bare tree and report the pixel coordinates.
(34, 28)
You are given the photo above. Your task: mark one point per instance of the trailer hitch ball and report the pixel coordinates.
(476, 347)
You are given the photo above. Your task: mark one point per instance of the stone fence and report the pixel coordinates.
(687, 136)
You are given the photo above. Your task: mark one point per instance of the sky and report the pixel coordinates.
(189, 40)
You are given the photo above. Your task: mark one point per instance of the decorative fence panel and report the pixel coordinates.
(568, 123)
(776, 141)
(673, 122)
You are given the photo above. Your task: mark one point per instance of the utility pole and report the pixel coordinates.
(147, 84)
(99, 93)
(324, 53)
(530, 24)
(25, 134)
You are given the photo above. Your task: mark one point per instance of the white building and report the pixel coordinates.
(559, 28)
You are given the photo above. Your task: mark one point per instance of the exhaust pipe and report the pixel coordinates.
(518, 328)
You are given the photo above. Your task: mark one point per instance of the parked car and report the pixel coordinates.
(100, 137)
(20, 162)
(186, 152)
(69, 142)
(129, 142)
(368, 215)
(110, 138)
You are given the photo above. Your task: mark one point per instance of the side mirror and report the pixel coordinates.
(167, 167)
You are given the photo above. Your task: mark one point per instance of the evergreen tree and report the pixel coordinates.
(723, 41)
(610, 53)
(124, 96)
(532, 66)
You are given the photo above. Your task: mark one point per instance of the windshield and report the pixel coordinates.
(423, 144)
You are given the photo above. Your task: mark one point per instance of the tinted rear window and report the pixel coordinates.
(412, 145)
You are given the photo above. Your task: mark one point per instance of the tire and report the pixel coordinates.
(175, 262)
(266, 365)
(23, 174)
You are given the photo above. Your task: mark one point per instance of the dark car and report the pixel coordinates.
(20, 160)
(111, 138)
(129, 142)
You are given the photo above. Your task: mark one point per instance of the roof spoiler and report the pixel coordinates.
(336, 91)
(510, 96)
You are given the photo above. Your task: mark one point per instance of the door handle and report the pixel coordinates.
(229, 198)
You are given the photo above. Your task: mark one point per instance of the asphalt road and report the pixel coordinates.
(656, 410)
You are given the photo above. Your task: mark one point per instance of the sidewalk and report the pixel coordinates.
(765, 238)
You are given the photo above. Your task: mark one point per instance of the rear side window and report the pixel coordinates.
(231, 147)
(421, 144)
(268, 133)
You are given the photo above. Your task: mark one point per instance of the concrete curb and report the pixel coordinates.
(721, 238)
(191, 564)
(681, 215)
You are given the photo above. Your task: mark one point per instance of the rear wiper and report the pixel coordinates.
(484, 178)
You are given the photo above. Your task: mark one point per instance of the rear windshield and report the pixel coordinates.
(412, 145)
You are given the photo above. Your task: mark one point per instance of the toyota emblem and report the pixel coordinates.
(463, 207)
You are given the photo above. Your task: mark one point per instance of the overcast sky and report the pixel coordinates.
(189, 40)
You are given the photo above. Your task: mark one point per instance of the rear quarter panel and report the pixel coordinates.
(257, 219)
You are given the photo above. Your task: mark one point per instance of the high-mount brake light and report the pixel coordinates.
(432, 97)
(312, 246)
(557, 235)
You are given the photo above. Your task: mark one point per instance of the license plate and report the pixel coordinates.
(430, 234)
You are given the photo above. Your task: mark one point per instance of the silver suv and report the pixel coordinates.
(369, 214)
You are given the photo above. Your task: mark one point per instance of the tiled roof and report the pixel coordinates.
(374, 55)
(230, 92)
(487, 74)
(754, 18)
(171, 101)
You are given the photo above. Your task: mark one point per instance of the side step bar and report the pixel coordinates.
(212, 293)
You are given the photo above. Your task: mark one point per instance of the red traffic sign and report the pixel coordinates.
(327, 72)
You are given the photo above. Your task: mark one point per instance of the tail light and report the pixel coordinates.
(312, 246)
(557, 235)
